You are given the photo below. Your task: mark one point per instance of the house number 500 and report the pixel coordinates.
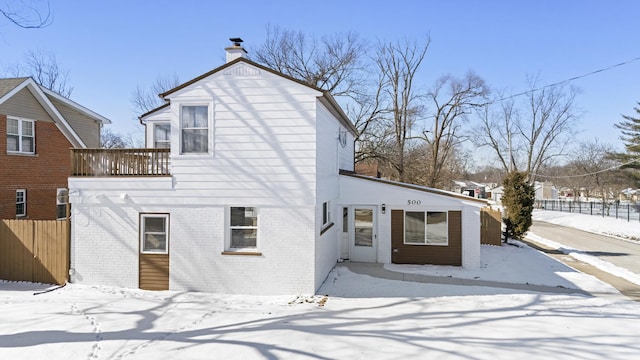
(413, 202)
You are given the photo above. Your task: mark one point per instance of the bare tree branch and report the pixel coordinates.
(398, 64)
(526, 135)
(331, 63)
(452, 99)
(27, 16)
(43, 67)
(147, 99)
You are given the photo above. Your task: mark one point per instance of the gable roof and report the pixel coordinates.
(326, 98)
(11, 86)
(414, 187)
(6, 85)
(153, 111)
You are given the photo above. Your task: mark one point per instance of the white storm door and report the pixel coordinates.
(363, 237)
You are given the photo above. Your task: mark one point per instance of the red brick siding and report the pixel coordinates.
(41, 174)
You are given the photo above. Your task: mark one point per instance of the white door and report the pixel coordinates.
(363, 237)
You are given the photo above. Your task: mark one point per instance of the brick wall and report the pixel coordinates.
(106, 246)
(40, 174)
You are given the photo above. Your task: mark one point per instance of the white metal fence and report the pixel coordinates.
(616, 209)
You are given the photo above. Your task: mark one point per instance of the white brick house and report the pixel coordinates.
(247, 187)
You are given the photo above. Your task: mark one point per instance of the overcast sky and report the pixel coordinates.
(110, 47)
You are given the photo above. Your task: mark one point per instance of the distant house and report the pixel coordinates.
(496, 194)
(247, 185)
(629, 194)
(37, 128)
(545, 191)
(470, 188)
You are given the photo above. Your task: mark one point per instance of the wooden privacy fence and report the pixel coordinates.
(34, 250)
(490, 227)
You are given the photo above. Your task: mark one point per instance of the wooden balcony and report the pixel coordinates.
(120, 162)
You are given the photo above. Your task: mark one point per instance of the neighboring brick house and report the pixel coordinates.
(37, 129)
(248, 186)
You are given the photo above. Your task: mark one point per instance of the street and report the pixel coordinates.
(622, 253)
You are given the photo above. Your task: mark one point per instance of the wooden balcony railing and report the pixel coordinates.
(120, 162)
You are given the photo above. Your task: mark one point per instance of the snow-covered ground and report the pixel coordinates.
(353, 317)
(595, 224)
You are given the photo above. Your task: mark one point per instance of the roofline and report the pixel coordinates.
(329, 99)
(152, 111)
(13, 91)
(74, 104)
(231, 63)
(413, 187)
(342, 117)
(41, 96)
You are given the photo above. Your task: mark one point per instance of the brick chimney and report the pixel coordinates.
(236, 50)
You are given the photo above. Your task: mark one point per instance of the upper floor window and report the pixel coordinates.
(162, 136)
(194, 125)
(21, 202)
(20, 136)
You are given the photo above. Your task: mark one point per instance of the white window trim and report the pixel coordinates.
(155, 140)
(231, 228)
(426, 239)
(58, 202)
(33, 127)
(23, 202)
(210, 130)
(142, 232)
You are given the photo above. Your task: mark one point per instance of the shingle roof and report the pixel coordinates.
(6, 85)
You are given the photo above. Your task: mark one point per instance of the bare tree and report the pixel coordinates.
(113, 140)
(26, 14)
(331, 63)
(147, 99)
(398, 64)
(597, 171)
(43, 67)
(337, 64)
(367, 112)
(451, 100)
(531, 131)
